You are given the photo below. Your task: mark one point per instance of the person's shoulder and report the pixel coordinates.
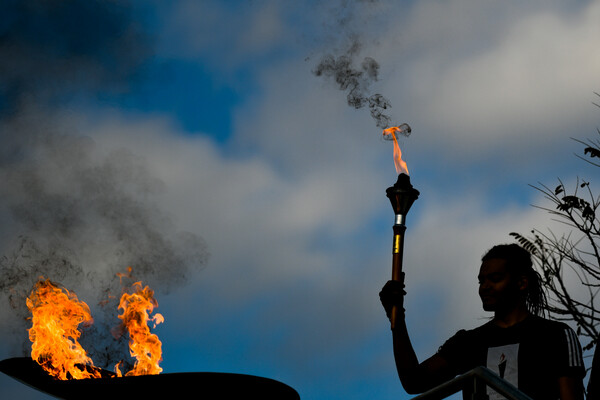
(543, 323)
(550, 330)
(455, 346)
(469, 334)
(564, 343)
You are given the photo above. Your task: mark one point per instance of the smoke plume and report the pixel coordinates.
(355, 80)
(71, 211)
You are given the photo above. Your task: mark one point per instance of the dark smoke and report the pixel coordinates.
(78, 216)
(70, 211)
(356, 80)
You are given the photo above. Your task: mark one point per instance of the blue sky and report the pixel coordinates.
(205, 117)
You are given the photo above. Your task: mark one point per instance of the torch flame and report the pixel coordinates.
(56, 314)
(390, 134)
(143, 345)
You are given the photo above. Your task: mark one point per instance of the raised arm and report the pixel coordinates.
(415, 377)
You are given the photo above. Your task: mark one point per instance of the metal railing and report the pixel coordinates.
(473, 385)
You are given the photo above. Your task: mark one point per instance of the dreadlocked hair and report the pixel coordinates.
(518, 262)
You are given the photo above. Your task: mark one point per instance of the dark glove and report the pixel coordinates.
(392, 294)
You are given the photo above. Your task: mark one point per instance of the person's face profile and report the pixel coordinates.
(497, 289)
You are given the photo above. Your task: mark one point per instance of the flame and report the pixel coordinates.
(143, 345)
(127, 274)
(390, 134)
(56, 314)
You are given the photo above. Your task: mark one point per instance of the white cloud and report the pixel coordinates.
(481, 78)
(535, 79)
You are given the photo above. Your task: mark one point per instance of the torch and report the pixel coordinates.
(402, 196)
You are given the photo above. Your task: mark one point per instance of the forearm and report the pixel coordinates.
(404, 353)
(416, 377)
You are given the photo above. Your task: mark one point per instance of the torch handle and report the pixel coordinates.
(397, 255)
(398, 251)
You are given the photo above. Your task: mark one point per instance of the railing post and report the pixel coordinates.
(476, 390)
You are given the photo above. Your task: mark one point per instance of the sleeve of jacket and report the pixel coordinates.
(570, 354)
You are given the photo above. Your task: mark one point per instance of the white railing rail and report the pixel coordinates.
(473, 385)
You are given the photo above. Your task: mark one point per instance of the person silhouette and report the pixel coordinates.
(543, 358)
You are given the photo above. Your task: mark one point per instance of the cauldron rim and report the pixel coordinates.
(225, 385)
